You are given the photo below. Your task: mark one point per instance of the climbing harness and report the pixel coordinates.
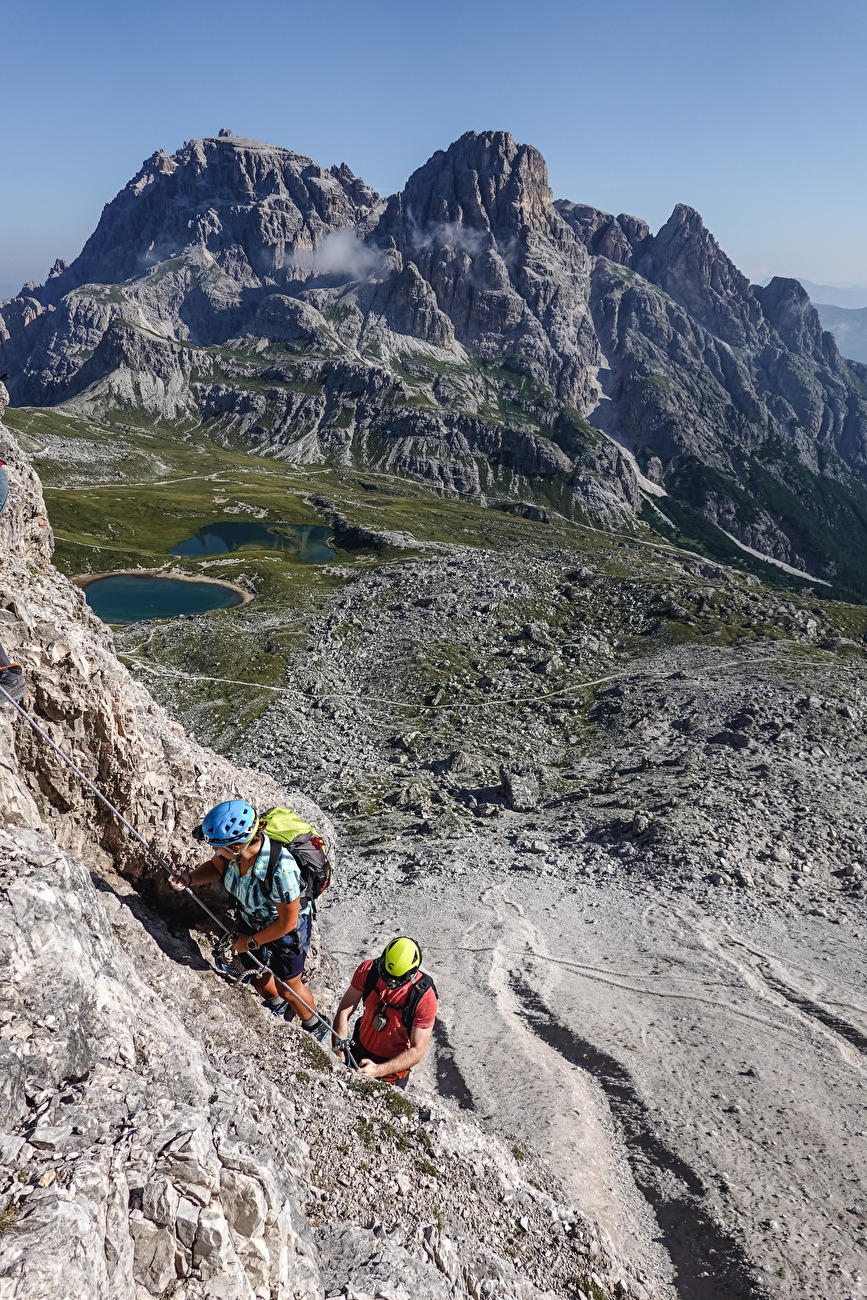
(222, 954)
(228, 937)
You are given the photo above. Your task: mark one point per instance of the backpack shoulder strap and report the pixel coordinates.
(372, 980)
(416, 993)
(274, 853)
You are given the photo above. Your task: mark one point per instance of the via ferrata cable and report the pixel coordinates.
(152, 853)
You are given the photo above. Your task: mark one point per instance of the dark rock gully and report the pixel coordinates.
(709, 1263)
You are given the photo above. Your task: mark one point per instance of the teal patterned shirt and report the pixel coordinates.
(259, 909)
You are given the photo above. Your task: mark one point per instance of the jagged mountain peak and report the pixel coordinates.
(686, 227)
(483, 151)
(619, 239)
(780, 286)
(787, 306)
(249, 204)
(685, 260)
(478, 222)
(683, 214)
(484, 181)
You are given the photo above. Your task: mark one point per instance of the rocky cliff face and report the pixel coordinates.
(470, 331)
(479, 225)
(252, 206)
(159, 1135)
(90, 706)
(130, 1164)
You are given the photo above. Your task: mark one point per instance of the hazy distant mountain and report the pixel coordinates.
(848, 327)
(469, 331)
(843, 311)
(851, 296)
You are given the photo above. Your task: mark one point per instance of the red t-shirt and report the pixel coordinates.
(394, 1039)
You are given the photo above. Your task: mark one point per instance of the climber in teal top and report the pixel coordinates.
(275, 923)
(258, 904)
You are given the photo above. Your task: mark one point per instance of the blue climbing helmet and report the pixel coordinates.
(232, 822)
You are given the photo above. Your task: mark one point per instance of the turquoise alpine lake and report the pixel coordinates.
(309, 542)
(129, 597)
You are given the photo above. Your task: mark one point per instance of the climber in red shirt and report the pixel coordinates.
(400, 1007)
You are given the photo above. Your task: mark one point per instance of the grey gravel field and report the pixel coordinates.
(691, 1077)
(645, 911)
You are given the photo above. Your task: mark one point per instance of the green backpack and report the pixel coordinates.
(285, 829)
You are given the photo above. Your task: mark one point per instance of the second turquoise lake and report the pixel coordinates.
(309, 542)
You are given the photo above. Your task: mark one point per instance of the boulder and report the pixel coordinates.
(523, 789)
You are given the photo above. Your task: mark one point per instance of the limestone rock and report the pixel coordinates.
(118, 1235)
(107, 724)
(160, 1202)
(356, 1258)
(523, 789)
(213, 1252)
(154, 1254)
(190, 1161)
(243, 1202)
(187, 1221)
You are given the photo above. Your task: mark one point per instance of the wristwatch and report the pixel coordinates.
(252, 945)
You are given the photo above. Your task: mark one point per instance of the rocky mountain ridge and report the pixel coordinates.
(468, 330)
(253, 204)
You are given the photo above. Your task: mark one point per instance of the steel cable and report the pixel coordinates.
(161, 862)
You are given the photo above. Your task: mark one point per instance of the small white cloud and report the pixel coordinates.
(340, 253)
(450, 234)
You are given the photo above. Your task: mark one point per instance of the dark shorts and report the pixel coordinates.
(361, 1053)
(285, 956)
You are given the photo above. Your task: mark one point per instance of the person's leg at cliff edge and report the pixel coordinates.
(12, 678)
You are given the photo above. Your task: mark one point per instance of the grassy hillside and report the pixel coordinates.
(121, 497)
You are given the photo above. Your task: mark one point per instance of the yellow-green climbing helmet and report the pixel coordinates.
(400, 959)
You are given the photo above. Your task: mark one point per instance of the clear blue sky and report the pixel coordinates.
(752, 111)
